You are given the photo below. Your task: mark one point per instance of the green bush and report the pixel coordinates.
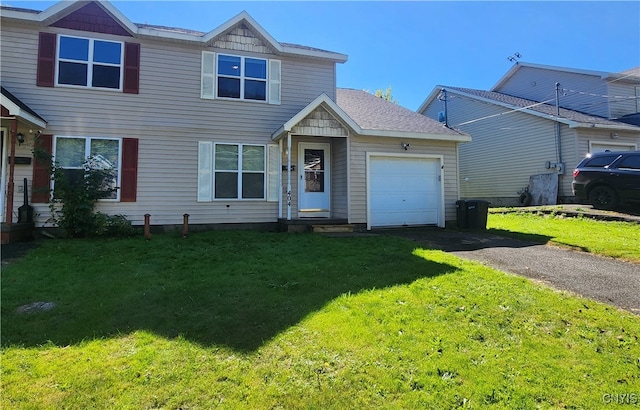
(75, 195)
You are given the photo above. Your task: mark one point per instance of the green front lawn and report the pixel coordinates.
(606, 238)
(268, 320)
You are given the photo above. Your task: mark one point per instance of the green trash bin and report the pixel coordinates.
(461, 214)
(477, 211)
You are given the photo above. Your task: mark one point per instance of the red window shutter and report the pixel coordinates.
(46, 60)
(41, 182)
(131, 68)
(129, 172)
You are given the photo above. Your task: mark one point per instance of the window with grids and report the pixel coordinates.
(71, 154)
(87, 62)
(227, 76)
(239, 171)
(241, 77)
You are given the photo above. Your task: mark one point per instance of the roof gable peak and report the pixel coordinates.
(242, 26)
(76, 14)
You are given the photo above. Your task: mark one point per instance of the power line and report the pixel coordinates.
(619, 97)
(506, 112)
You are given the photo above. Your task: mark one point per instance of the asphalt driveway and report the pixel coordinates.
(603, 279)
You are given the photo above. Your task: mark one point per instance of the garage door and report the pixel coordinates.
(602, 146)
(404, 191)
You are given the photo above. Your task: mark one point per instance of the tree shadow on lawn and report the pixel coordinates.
(218, 288)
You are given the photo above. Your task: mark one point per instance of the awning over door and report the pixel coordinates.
(12, 108)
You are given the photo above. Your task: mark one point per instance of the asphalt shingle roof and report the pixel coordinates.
(632, 71)
(374, 113)
(548, 109)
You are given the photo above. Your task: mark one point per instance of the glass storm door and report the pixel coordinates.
(314, 180)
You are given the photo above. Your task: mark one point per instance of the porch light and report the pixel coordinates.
(20, 138)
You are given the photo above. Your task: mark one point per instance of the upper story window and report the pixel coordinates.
(241, 78)
(87, 62)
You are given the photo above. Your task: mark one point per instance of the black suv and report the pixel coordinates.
(608, 179)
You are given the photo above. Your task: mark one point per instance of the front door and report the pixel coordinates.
(314, 180)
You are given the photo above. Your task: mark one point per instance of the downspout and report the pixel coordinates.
(288, 176)
(12, 160)
(558, 141)
(559, 165)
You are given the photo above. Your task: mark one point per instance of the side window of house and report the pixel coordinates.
(71, 154)
(242, 78)
(236, 171)
(87, 62)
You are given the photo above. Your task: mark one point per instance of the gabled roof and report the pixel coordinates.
(574, 119)
(633, 72)
(521, 64)
(378, 117)
(19, 109)
(365, 114)
(64, 8)
(323, 101)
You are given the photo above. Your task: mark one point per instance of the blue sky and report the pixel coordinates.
(414, 46)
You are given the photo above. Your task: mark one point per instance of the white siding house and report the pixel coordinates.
(517, 131)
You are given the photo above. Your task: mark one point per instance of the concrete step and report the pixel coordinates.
(332, 228)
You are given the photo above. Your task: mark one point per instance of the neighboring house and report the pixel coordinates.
(229, 126)
(517, 131)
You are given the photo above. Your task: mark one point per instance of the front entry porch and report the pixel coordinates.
(315, 171)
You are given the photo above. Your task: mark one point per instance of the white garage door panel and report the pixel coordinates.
(404, 191)
(601, 147)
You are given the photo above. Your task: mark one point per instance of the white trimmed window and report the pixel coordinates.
(236, 171)
(71, 153)
(228, 76)
(87, 62)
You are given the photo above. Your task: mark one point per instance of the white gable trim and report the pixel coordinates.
(417, 135)
(324, 100)
(64, 8)
(15, 110)
(518, 65)
(434, 93)
(245, 18)
(341, 116)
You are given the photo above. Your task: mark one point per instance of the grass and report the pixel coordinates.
(266, 320)
(605, 238)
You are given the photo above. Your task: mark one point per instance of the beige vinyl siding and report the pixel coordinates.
(624, 99)
(339, 180)
(539, 85)
(359, 146)
(505, 150)
(587, 136)
(167, 116)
